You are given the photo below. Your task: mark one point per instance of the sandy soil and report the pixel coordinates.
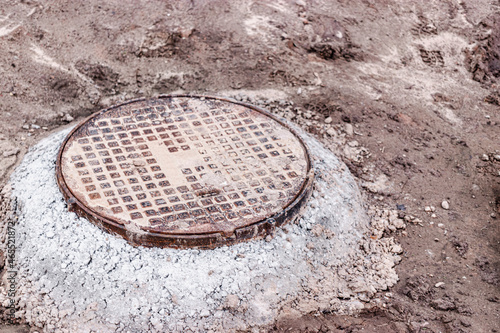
(405, 92)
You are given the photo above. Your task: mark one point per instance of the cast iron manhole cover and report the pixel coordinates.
(185, 171)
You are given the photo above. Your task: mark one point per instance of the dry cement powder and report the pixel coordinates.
(72, 277)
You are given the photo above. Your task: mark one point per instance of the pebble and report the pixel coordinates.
(67, 117)
(433, 215)
(439, 285)
(349, 130)
(445, 204)
(493, 215)
(232, 301)
(34, 126)
(11, 152)
(496, 157)
(353, 143)
(26, 127)
(485, 157)
(428, 209)
(328, 120)
(440, 225)
(331, 132)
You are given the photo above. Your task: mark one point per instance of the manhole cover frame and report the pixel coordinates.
(257, 230)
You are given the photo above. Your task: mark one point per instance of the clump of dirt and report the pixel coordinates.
(418, 288)
(64, 87)
(488, 270)
(103, 76)
(483, 60)
(333, 42)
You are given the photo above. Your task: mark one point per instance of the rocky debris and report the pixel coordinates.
(445, 204)
(418, 288)
(11, 152)
(439, 285)
(381, 185)
(103, 76)
(460, 246)
(232, 302)
(68, 118)
(165, 42)
(384, 220)
(488, 271)
(449, 303)
(429, 209)
(304, 267)
(444, 303)
(349, 130)
(482, 59)
(332, 41)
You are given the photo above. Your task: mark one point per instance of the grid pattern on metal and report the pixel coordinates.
(184, 165)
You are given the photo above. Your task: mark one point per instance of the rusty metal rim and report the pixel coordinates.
(201, 240)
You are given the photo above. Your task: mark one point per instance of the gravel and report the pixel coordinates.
(445, 205)
(73, 277)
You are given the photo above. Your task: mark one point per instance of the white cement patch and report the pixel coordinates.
(72, 277)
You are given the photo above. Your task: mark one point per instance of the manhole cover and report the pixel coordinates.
(185, 171)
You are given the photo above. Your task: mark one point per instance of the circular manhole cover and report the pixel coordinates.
(185, 171)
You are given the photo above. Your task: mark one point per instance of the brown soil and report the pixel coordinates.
(415, 84)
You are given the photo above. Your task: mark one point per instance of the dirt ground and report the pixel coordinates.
(410, 88)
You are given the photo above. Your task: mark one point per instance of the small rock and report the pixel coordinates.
(353, 143)
(433, 215)
(496, 157)
(428, 209)
(445, 204)
(186, 32)
(26, 127)
(34, 126)
(493, 215)
(328, 120)
(299, 91)
(485, 157)
(396, 248)
(232, 301)
(445, 303)
(439, 284)
(433, 209)
(67, 117)
(440, 225)
(331, 132)
(349, 130)
(11, 152)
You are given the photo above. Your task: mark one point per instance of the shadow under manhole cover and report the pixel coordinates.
(185, 171)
